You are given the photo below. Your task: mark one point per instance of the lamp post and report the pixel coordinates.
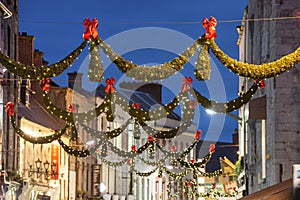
(39, 170)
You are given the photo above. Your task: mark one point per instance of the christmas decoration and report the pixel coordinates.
(9, 108)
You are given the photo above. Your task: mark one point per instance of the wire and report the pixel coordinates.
(163, 22)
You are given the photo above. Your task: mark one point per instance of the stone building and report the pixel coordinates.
(8, 86)
(44, 168)
(269, 133)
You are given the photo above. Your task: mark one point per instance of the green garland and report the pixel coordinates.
(76, 117)
(96, 69)
(157, 72)
(262, 71)
(228, 106)
(41, 72)
(113, 164)
(109, 134)
(130, 154)
(177, 154)
(39, 139)
(74, 152)
(152, 114)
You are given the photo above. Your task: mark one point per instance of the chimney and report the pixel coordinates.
(38, 57)
(75, 80)
(26, 47)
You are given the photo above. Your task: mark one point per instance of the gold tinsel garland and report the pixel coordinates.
(262, 71)
(157, 72)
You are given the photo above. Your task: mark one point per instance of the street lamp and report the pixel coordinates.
(39, 170)
(38, 164)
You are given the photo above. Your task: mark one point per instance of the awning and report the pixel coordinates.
(283, 190)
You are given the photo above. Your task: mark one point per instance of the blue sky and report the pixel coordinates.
(57, 27)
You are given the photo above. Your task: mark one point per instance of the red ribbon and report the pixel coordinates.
(210, 27)
(133, 148)
(193, 104)
(198, 134)
(136, 105)
(212, 148)
(72, 108)
(10, 109)
(173, 148)
(90, 29)
(213, 186)
(188, 183)
(150, 138)
(192, 161)
(110, 85)
(45, 84)
(261, 83)
(187, 81)
(129, 161)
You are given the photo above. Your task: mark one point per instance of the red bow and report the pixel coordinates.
(133, 148)
(188, 183)
(192, 161)
(45, 84)
(187, 81)
(129, 161)
(72, 108)
(90, 29)
(210, 27)
(150, 138)
(173, 148)
(212, 148)
(213, 186)
(261, 83)
(193, 104)
(198, 134)
(9, 108)
(110, 85)
(136, 105)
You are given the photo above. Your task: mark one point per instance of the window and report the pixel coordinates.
(25, 90)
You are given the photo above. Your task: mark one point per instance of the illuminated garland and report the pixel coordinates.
(172, 132)
(130, 154)
(157, 72)
(113, 164)
(190, 189)
(109, 134)
(95, 68)
(262, 71)
(210, 174)
(195, 165)
(37, 139)
(152, 114)
(202, 71)
(40, 72)
(173, 194)
(75, 117)
(228, 106)
(171, 154)
(74, 152)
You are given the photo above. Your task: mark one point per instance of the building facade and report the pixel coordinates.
(44, 168)
(269, 132)
(8, 86)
